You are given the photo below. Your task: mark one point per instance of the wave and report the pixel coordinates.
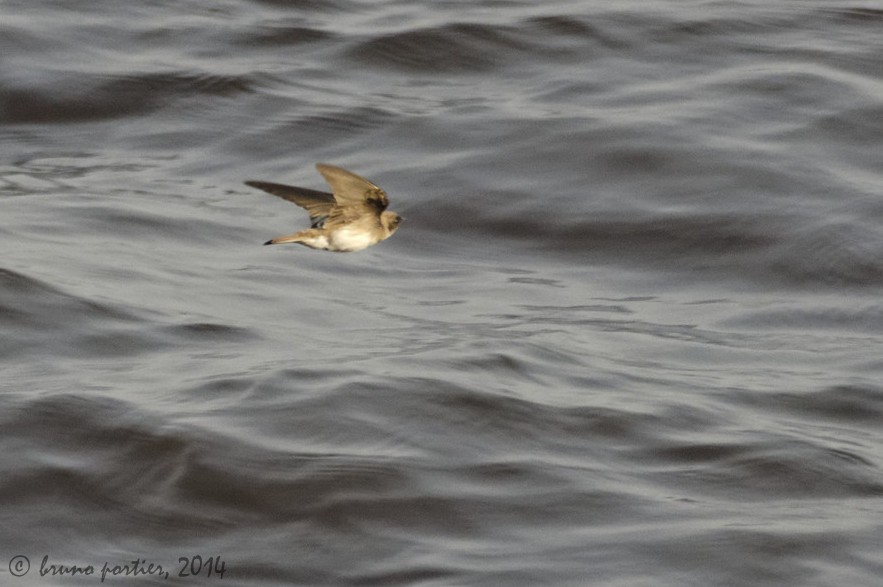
(87, 98)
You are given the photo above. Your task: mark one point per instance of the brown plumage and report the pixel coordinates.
(351, 218)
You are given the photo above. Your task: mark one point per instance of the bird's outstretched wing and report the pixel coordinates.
(353, 190)
(318, 204)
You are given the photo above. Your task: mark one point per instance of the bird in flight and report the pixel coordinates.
(351, 218)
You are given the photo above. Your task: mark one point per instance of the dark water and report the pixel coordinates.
(629, 335)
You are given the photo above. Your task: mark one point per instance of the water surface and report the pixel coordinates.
(628, 335)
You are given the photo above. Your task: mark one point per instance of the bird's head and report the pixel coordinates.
(390, 221)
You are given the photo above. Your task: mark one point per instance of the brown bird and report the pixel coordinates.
(351, 218)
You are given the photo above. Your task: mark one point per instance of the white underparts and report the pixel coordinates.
(346, 239)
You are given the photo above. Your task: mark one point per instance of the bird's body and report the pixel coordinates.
(351, 218)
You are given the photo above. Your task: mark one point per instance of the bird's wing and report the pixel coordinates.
(353, 190)
(318, 204)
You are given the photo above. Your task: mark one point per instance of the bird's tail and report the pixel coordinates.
(303, 237)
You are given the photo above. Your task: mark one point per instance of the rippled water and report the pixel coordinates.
(629, 333)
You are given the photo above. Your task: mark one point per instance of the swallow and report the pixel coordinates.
(351, 218)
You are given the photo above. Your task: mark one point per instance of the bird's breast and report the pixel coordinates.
(353, 239)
